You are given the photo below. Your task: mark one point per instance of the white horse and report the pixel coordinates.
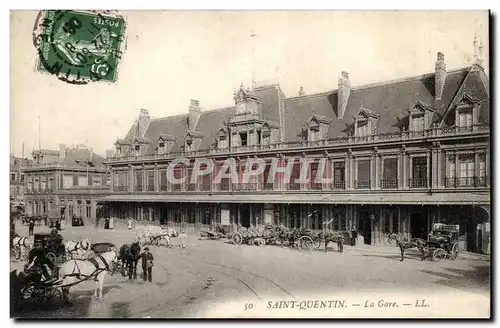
(168, 233)
(76, 271)
(77, 249)
(22, 246)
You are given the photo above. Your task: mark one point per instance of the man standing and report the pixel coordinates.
(147, 265)
(31, 227)
(354, 235)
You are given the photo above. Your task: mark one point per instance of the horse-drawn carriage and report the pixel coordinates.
(443, 242)
(220, 232)
(153, 235)
(260, 235)
(52, 244)
(308, 240)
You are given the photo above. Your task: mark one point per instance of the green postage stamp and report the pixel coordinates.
(79, 46)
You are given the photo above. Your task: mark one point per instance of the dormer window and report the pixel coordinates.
(420, 117)
(161, 147)
(222, 140)
(465, 118)
(317, 127)
(418, 123)
(137, 149)
(365, 122)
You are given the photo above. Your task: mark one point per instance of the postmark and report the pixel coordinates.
(78, 46)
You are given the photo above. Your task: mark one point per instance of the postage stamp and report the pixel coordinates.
(79, 46)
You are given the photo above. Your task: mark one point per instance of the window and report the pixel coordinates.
(83, 180)
(482, 170)
(465, 119)
(466, 170)
(51, 184)
(163, 180)
(30, 186)
(43, 184)
(419, 172)
(390, 173)
(222, 141)
(452, 172)
(161, 147)
(206, 216)
(243, 138)
(96, 179)
(362, 129)
(339, 175)
(36, 184)
(12, 177)
(150, 177)
(137, 149)
(22, 178)
(363, 179)
(138, 181)
(418, 123)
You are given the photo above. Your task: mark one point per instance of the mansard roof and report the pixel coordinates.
(389, 100)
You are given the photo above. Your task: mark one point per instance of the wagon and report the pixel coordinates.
(151, 234)
(260, 235)
(308, 240)
(29, 287)
(443, 242)
(218, 233)
(52, 245)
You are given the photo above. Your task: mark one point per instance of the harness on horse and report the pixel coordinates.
(21, 241)
(94, 274)
(75, 249)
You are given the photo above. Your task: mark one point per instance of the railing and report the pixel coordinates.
(389, 183)
(338, 184)
(465, 182)
(419, 183)
(315, 186)
(268, 186)
(362, 184)
(205, 186)
(139, 188)
(176, 187)
(150, 188)
(120, 188)
(191, 187)
(374, 138)
(294, 186)
(244, 186)
(224, 185)
(163, 187)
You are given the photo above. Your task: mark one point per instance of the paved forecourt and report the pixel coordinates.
(216, 278)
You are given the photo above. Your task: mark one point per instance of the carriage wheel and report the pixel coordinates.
(306, 244)
(455, 250)
(50, 295)
(237, 238)
(51, 256)
(438, 255)
(261, 242)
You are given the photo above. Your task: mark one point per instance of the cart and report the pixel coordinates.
(260, 235)
(29, 287)
(53, 246)
(443, 242)
(218, 233)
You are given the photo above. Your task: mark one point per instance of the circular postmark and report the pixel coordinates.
(77, 46)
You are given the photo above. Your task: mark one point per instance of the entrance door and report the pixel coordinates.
(418, 224)
(245, 215)
(365, 226)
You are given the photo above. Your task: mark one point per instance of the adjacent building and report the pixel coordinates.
(17, 178)
(70, 179)
(400, 155)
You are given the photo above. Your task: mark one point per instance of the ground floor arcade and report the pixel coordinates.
(373, 222)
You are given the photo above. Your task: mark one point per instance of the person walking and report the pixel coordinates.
(129, 224)
(183, 237)
(31, 227)
(354, 235)
(147, 265)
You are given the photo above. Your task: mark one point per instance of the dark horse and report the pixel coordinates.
(328, 236)
(407, 244)
(129, 255)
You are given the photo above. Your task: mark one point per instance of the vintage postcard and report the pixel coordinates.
(250, 164)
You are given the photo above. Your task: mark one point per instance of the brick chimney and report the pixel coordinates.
(439, 76)
(344, 91)
(143, 122)
(62, 151)
(194, 114)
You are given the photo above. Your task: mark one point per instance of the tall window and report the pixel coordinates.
(161, 147)
(150, 177)
(390, 173)
(12, 177)
(43, 185)
(222, 141)
(51, 184)
(466, 170)
(22, 178)
(36, 184)
(482, 170)
(163, 180)
(138, 181)
(363, 179)
(418, 123)
(465, 118)
(362, 129)
(243, 138)
(419, 172)
(339, 175)
(452, 174)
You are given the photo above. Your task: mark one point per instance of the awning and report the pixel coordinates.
(444, 198)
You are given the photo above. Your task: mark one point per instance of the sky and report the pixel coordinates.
(174, 56)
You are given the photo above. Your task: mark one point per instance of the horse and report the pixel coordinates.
(129, 255)
(407, 244)
(22, 245)
(79, 248)
(75, 271)
(332, 236)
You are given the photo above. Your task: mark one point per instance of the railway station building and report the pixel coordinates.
(397, 156)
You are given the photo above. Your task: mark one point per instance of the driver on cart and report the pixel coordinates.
(39, 267)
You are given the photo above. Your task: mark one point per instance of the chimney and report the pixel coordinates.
(439, 76)
(62, 151)
(301, 91)
(110, 153)
(194, 114)
(143, 122)
(343, 93)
